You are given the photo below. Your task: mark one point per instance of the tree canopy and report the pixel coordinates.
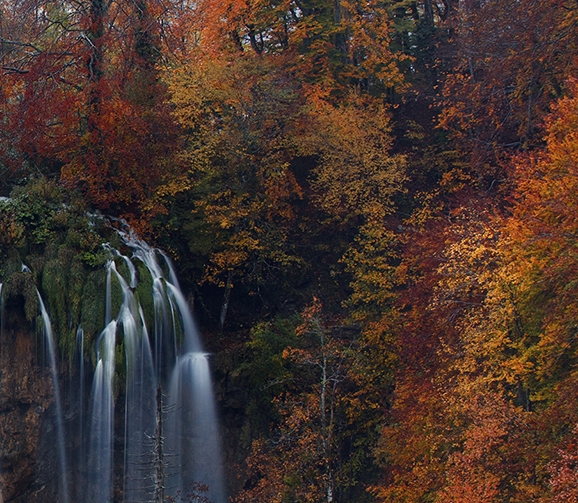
(373, 206)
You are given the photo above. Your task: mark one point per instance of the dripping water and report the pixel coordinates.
(79, 350)
(48, 336)
(100, 454)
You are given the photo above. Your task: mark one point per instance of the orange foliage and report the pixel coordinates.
(563, 471)
(542, 230)
(483, 409)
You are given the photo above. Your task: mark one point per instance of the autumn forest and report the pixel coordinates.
(372, 206)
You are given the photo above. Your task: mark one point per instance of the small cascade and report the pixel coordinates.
(80, 458)
(48, 336)
(192, 432)
(167, 388)
(191, 440)
(139, 398)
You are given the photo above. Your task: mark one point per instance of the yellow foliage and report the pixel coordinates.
(356, 175)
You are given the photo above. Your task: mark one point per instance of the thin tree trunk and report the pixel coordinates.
(428, 15)
(226, 298)
(159, 452)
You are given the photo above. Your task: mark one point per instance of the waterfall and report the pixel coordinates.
(155, 370)
(193, 428)
(80, 398)
(100, 456)
(191, 442)
(148, 427)
(192, 432)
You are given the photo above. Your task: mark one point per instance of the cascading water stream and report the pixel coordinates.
(193, 429)
(100, 455)
(191, 425)
(155, 371)
(48, 335)
(79, 354)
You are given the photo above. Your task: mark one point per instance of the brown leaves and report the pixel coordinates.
(513, 58)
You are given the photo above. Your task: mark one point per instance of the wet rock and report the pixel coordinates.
(25, 394)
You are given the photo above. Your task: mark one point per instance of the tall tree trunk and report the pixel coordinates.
(94, 37)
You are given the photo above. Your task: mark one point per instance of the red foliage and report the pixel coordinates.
(513, 57)
(564, 472)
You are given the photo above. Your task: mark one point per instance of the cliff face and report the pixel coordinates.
(29, 465)
(26, 394)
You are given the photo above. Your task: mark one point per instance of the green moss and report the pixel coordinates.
(144, 295)
(46, 228)
(11, 264)
(77, 278)
(122, 269)
(92, 305)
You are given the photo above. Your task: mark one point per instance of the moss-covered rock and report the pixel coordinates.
(50, 244)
